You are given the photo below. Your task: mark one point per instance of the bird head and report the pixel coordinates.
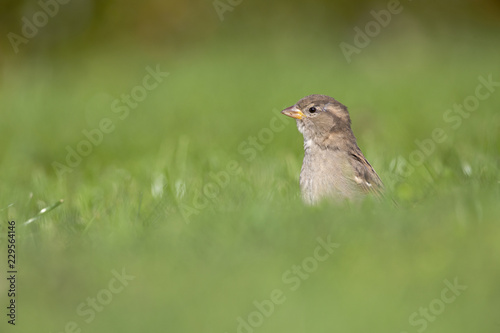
(320, 118)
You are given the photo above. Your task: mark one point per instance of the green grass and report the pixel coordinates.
(198, 268)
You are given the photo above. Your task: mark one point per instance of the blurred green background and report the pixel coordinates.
(190, 187)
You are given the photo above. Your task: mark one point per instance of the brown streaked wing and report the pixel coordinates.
(364, 174)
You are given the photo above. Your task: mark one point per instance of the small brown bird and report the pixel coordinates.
(333, 166)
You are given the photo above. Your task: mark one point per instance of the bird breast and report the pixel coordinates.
(325, 173)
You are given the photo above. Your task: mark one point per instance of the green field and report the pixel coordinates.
(191, 189)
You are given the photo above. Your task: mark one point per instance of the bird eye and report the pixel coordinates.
(312, 109)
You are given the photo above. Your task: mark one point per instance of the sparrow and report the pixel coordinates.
(333, 165)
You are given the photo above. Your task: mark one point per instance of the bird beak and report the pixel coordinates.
(293, 112)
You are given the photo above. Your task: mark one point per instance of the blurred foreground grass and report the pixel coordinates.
(199, 261)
